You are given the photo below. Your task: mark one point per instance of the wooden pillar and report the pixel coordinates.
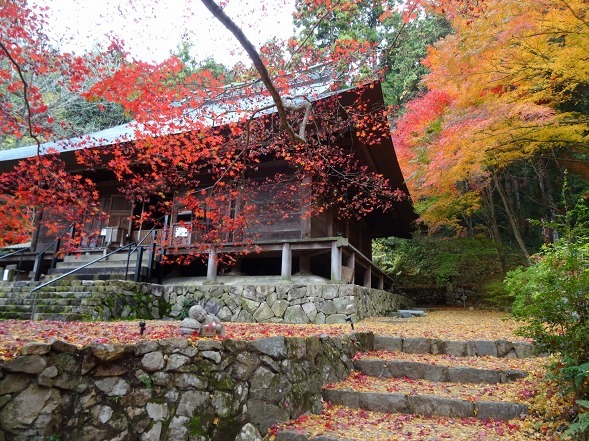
(381, 282)
(212, 266)
(286, 269)
(368, 277)
(352, 260)
(306, 209)
(336, 262)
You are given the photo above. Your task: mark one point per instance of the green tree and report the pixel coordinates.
(397, 45)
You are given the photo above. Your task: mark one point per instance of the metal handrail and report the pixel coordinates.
(43, 285)
(14, 252)
(69, 228)
(56, 243)
(136, 247)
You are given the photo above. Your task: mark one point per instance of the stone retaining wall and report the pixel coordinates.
(287, 303)
(277, 303)
(169, 389)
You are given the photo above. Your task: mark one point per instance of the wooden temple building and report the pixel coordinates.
(319, 245)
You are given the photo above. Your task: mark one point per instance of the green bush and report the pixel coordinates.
(552, 298)
(429, 261)
(552, 301)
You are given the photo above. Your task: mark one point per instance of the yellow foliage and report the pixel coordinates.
(517, 74)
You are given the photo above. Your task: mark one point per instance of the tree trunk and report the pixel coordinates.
(493, 227)
(511, 217)
(550, 235)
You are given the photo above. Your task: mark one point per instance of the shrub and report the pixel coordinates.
(552, 301)
(469, 262)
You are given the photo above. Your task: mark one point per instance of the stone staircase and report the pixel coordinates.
(112, 267)
(68, 300)
(425, 386)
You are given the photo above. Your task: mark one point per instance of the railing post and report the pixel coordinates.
(72, 232)
(19, 266)
(38, 266)
(151, 258)
(137, 277)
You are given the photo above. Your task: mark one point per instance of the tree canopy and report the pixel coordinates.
(505, 98)
(507, 88)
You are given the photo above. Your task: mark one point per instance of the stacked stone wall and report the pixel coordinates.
(170, 389)
(287, 303)
(278, 303)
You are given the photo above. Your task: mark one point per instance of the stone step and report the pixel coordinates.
(458, 348)
(408, 313)
(338, 423)
(56, 303)
(41, 315)
(47, 308)
(60, 295)
(376, 367)
(425, 404)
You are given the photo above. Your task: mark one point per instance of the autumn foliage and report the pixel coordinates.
(509, 86)
(182, 147)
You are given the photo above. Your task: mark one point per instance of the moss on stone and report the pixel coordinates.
(195, 426)
(223, 381)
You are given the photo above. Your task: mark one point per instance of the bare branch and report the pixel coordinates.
(307, 107)
(220, 15)
(25, 96)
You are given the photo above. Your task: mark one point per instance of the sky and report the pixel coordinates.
(153, 28)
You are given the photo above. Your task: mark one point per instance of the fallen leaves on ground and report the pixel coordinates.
(16, 333)
(520, 391)
(355, 424)
(485, 362)
(447, 324)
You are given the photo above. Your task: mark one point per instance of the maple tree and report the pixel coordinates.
(177, 158)
(172, 145)
(514, 96)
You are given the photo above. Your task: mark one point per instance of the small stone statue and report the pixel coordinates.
(202, 323)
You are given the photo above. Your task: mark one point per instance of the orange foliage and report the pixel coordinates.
(513, 75)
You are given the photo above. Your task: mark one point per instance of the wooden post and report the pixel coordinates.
(286, 269)
(212, 266)
(368, 277)
(352, 260)
(381, 282)
(336, 262)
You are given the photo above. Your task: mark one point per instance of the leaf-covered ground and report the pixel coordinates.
(16, 333)
(447, 324)
(524, 364)
(450, 324)
(520, 391)
(361, 425)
